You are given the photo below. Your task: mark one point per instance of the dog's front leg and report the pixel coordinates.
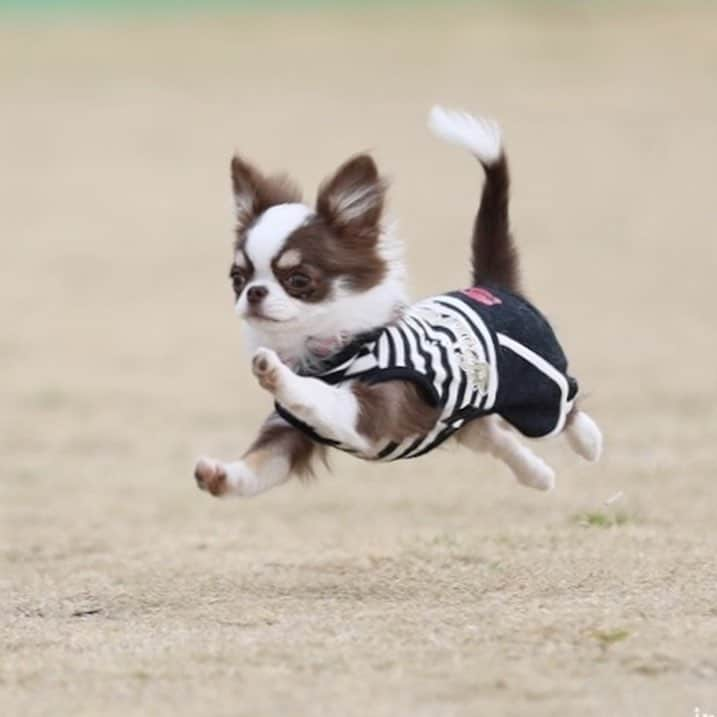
(333, 411)
(278, 452)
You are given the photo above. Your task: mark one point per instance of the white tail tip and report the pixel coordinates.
(480, 136)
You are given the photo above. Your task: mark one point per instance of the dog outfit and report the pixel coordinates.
(474, 352)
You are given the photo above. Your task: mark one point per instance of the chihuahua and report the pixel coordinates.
(351, 365)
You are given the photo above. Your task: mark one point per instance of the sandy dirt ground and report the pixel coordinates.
(431, 587)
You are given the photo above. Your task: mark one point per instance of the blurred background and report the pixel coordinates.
(121, 358)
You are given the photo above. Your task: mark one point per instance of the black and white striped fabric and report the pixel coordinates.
(473, 352)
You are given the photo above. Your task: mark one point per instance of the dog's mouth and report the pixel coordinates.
(257, 315)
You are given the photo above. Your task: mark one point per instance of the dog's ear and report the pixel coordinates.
(353, 197)
(254, 193)
(245, 182)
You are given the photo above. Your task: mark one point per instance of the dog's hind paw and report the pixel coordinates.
(539, 475)
(584, 436)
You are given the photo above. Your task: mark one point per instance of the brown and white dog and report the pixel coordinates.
(310, 280)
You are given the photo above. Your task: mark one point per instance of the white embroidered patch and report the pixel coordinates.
(470, 361)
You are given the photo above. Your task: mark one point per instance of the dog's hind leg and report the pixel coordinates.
(487, 435)
(583, 435)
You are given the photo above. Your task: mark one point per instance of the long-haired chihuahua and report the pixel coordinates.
(352, 365)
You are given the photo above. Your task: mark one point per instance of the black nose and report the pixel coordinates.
(255, 294)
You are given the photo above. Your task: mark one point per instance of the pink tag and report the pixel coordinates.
(482, 296)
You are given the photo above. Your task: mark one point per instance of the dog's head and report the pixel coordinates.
(302, 272)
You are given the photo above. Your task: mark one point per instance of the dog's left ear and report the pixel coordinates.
(352, 199)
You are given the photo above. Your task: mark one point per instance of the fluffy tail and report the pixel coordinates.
(495, 259)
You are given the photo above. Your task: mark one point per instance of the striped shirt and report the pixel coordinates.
(472, 353)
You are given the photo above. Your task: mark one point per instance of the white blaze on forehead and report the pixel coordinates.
(266, 238)
(291, 257)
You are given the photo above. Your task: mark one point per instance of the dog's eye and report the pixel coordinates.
(238, 282)
(298, 281)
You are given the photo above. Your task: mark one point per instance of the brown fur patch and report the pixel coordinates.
(327, 255)
(495, 257)
(393, 411)
(277, 436)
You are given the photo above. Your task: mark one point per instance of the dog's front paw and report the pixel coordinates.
(211, 476)
(266, 366)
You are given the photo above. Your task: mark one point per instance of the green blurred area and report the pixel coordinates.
(146, 4)
(138, 7)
